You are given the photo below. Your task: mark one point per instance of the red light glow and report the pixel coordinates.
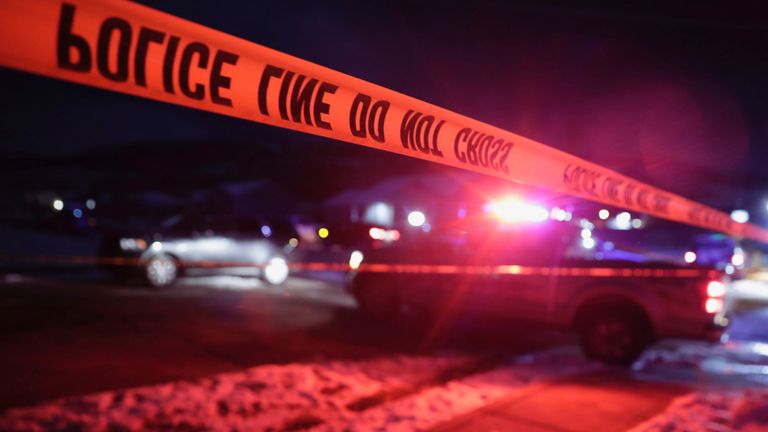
(513, 210)
(715, 289)
(377, 233)
(713, 305)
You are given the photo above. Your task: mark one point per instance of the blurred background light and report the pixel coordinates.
(416, 218)
(622, 221)
(355, 259)
(377, 233)
(588, 243)
(737, 259)
(740, 216)
(559, 214)
(689, 257)
(513, 210)
(266, 230)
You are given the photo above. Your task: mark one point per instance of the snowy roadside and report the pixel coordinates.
(734, 410)
(732, 378)
(394, 393)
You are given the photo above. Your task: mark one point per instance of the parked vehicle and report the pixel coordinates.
(208, 245)
(529, 274)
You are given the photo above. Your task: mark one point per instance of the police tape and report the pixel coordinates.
(133, 49)
(389, 268)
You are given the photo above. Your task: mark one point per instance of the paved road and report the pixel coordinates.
(64, 336)
(609, 401)
(61, 338)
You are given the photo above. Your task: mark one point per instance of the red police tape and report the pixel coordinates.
(449, 269)
(130, 48)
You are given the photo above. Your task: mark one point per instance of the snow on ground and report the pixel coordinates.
(393, 393)
(438, 404)
(731, 377)
(742, 360)
(743, 410)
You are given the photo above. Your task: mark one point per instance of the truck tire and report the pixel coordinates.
(377, 300)
(616, 336)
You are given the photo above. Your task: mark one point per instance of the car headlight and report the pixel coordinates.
(355, 259)
(133, 244)
(276, 271)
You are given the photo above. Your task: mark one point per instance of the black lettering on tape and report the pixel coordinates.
(578, 179)
(269, 73)
(301, 98)
(461, 136)
(484, 150)
(321, 107)
(358, 113)
(568, 176)
(661, 203)
(407, 127)
(610, 188)
(168, 61)
(186, 62)
(146, 36)
(504, 156)
(629, 192)
(304, 108)
(281, 99)
(472, 147)
(421, 135)
(495, 148)
(67, 42)
(219, 81)
(435, 149)
(109, 28)
(367, 118)
(376, 127)
(420, 132)
(482, 153)
(643, 195)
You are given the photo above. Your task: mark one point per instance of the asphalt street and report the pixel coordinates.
(63, 337)
(69, 335)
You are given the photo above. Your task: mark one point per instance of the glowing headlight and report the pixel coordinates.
(276, 271)
(132, 244)
(355, 259)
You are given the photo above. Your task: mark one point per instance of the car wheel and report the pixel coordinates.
(614, 337)
(161, 271)
(276, 271)
(377, 301)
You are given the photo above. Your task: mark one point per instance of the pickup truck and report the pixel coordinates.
(532, 275)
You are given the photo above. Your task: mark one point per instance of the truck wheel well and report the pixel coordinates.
(376, 297)
(611, 304)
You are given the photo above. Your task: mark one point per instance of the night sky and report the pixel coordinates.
(677, 97)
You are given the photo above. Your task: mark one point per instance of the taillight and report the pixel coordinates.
(713, 305)
(715, 289)
(377, 233)
(714, 300)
